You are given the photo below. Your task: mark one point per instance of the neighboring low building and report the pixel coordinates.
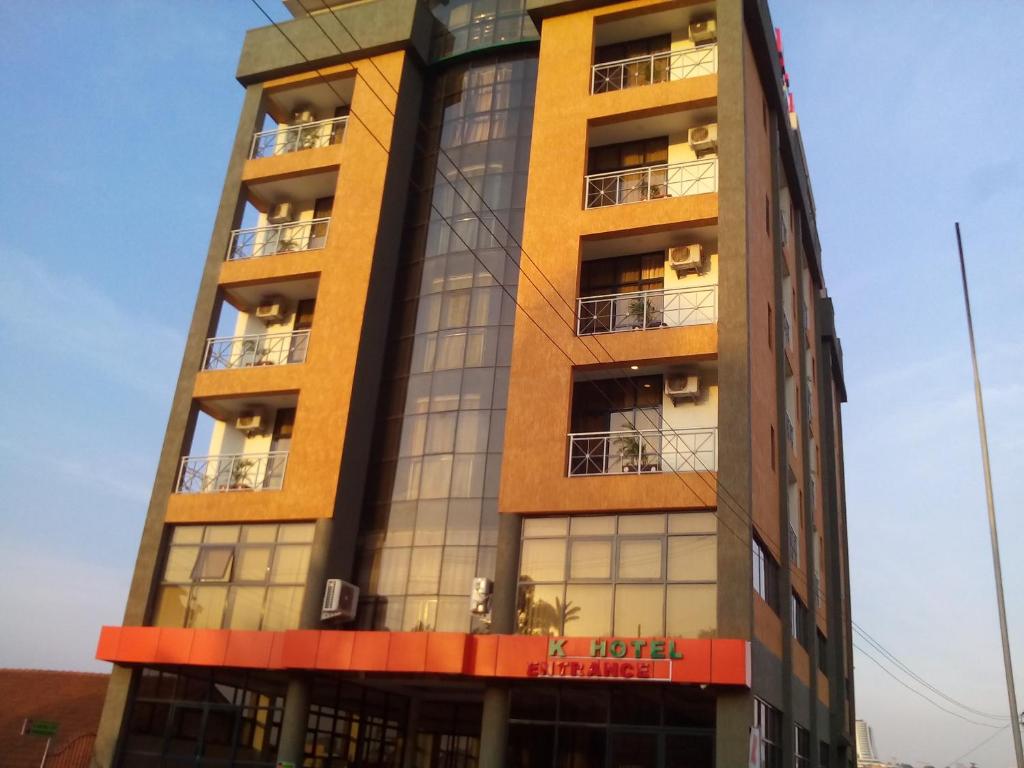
(71, 700)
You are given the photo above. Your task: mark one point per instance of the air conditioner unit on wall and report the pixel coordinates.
(271, 309)
(704, 31)
(341, 600)
(280, 213)
(686, 258)
(703, 138)
(251, 422)
(682, 387)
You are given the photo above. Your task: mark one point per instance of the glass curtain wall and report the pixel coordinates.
(431, 522)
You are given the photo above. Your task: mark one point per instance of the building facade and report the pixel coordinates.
(513, 317)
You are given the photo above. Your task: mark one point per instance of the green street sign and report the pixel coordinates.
(42, 728)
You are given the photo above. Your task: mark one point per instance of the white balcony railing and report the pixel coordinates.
(643, 310)
(232, 472)
(637, 185)
(655, 68)
(643, 450)
(254, 242)
(293, 138)
(225, 352)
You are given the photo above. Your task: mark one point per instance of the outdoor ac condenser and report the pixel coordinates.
(705, 31)
(703, 138)
(340, 601)
(682, 387)
(251, 422)
(271, 309)
(280, 213)
(686, 258)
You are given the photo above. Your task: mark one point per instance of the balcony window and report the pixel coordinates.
(625, 575)
(620, 426)
(628, 64)
(234, 576)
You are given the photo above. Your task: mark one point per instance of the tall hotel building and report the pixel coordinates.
(513, 318)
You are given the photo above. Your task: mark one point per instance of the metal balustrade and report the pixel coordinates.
(232, 472)
(653, 182)
(225, 352)
(790, 432)
(293, 138)
(255, 242)
(643, 450)
(787, 333)
(655, 68)
(642, 310)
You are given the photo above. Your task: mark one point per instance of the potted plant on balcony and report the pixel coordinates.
(640, 313)
(241, 475)
(628, 447)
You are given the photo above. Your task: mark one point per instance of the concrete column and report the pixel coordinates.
(294, 722)
(494, 719)
(494, 727)
(412, 722)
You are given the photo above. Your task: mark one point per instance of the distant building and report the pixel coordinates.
(71, 700)
(867, 754)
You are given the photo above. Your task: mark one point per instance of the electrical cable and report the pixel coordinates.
(918, 693)
(899, 664)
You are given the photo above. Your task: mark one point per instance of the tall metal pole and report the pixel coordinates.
(1011, 691)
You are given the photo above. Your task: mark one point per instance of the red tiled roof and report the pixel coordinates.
(71, 699)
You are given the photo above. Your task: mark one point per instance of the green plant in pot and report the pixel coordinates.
(640, 312)
(241, 476)
(628, 447)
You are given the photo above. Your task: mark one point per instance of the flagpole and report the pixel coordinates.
(1011, 691)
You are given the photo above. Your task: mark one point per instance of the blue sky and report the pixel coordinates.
(122, 114)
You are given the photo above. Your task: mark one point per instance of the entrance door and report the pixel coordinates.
(635, 749)
(447, 735)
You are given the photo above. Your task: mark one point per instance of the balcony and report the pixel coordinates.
(227, 352)
(642, 450)
(232, 472)
(644, 310)
(256, 242)
(653, 182)
(790, 433)
(655, 68)
(294, 138)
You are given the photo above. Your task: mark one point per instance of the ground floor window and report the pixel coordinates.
(769, 720)
(352, 725)
(181, 716)
(598, 726)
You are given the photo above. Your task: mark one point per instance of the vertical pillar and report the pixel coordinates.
(294, 722)
(735, 605)
(494, 719)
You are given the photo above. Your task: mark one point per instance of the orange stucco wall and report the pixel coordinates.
(324, 382)
(534, 464)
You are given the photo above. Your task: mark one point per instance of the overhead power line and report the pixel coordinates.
(919, 693)
(903, 667)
